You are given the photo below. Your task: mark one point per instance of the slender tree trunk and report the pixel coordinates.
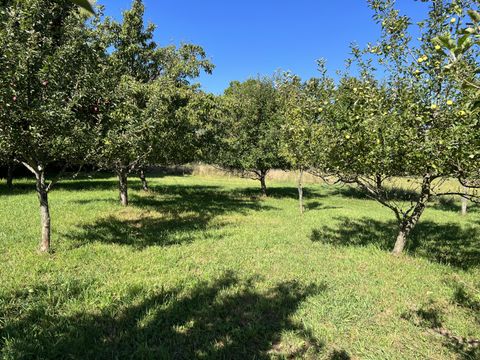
(10, 176)
(401, 240)
(263, 185)
(144, 180)
(464, 202)
(42, 193)
(409, 222)
(378, 180)
(123, 186)
(300, 190)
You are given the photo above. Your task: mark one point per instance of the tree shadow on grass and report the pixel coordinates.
(397, 194)
(447, 243)
(180, 215)
(454, 205)
(278, 192)
(83, 182)
(393, 194)
(21, 188)
(430, 316)
(317, 205)
(224, 319)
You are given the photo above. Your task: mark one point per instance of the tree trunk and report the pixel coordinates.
(144, 180)
(464, 202)
(410, 221)
(10, 176)
(401, 240)
(263, 185)
(123, 187)
(378, 181)
(44, 210)
(300, 190)
(407, 225)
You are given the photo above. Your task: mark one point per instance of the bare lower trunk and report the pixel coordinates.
(401, 240)
(44, 211)
(263, 185)
(404, 230)
(300, 191)
(410, 221)
(464, 202)
(144, 180)
(10, 176)
(123, 187)
(378, 181)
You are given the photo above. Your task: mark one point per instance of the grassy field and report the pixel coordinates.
(200, 267)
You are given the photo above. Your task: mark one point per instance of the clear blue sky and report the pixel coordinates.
(247, 38)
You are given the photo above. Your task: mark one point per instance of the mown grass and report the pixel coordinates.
(200, 267)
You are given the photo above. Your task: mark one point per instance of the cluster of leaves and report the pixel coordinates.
(305, 106)
(149, 89)
(249, 128)
(46, 60)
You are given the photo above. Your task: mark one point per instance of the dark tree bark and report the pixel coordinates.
(263, 185)
(378, 181)
(123, 186)
(144, 180)
(10, 175)
(42, 193)
(300, 190)
(464, 202)
(409, 222)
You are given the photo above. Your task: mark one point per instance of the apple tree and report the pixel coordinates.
(138, 72)
(49, 60)
(303, 108)
(250, 129)
(413, 126)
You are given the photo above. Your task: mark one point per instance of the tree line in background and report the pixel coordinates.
(79, 90)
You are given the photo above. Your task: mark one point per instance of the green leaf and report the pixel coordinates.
(462, 40)
(476, 105)
(469, 31)
(84, 4)
(475, 16)
(444, 41)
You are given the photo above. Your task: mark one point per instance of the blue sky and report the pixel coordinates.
(247, 38)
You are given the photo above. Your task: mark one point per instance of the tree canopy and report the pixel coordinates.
(251, 128)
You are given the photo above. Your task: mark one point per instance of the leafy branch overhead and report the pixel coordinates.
(84, 4)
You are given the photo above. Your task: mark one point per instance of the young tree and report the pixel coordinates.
(49, 60)
(251, 129)
(304, 105)
(127, 133)
(415, 124)
(139, 71)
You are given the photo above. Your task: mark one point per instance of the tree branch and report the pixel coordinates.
(57, 178)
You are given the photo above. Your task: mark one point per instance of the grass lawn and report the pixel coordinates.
(201, 268)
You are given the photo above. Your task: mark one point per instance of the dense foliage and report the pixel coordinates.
(251, 129)
(83, 89)
(416, 122)
(144, 87)
(47, 58)
(93, 91)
